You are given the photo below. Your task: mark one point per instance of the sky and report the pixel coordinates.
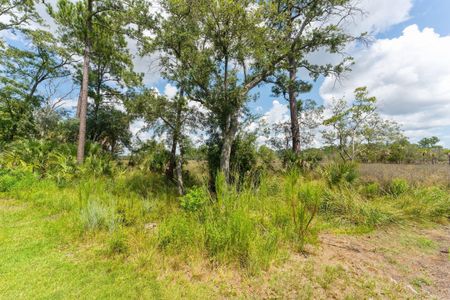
(406, 66)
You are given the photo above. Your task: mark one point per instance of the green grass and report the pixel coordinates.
(41, 260)
(92, 238)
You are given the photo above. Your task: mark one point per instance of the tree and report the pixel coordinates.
(176, 117)
(428, 143)
(306, 26)
(111, 75)
(78, 23)
(216, 53)
(309, 116)
(16, 13)
(109, 127)
(349, 124)
(24, 70)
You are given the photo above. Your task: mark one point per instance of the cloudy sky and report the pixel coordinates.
(406, 66)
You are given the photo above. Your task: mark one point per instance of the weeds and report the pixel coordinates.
(251, 227)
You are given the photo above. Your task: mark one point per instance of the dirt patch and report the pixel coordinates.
(417, 259)
(398, 263)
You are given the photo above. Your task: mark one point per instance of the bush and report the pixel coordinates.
(337, 173)
(12, 179)
(7, 182)
(243, 157)
(195, 199)
(398, 186)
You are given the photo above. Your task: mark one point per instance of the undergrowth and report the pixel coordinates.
(249, 227)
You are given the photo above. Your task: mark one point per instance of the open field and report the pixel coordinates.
(424, 174)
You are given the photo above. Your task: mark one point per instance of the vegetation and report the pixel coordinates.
(92, 209)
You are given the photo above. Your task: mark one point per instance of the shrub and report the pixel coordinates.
(96, 216)
(143, 184)
(398, 186)
(195, 199)
(7, 182)
(13, 179)
(337, 173)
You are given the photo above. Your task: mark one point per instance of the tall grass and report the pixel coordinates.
(251, 226)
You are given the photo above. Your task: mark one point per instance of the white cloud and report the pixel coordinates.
(170, 91)
(277, 114)
(409, 75)
(379, 15)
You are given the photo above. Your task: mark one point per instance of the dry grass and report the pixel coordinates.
(425, 174)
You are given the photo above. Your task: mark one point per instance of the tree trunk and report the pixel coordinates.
(295, 127)
(228, 137)
(179, 163)
(84, 88)
(173, 158)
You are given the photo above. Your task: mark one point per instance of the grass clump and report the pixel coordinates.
(371, 190)
(341, 172)
(305, 199)
(117, 244)
(347, 207)
(398, 186)
(425, 204)
(180, 234)
(97, 216)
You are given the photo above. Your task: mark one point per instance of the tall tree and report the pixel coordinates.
(217, 54)
(429, 143)
(306, 27)
(111, 73)
(352, 125)
(79, 22)
(309, 115)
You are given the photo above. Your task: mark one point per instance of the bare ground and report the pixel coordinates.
(400, 263)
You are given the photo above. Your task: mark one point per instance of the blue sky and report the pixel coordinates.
(407, 67)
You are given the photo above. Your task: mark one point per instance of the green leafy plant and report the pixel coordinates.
(195, 199)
